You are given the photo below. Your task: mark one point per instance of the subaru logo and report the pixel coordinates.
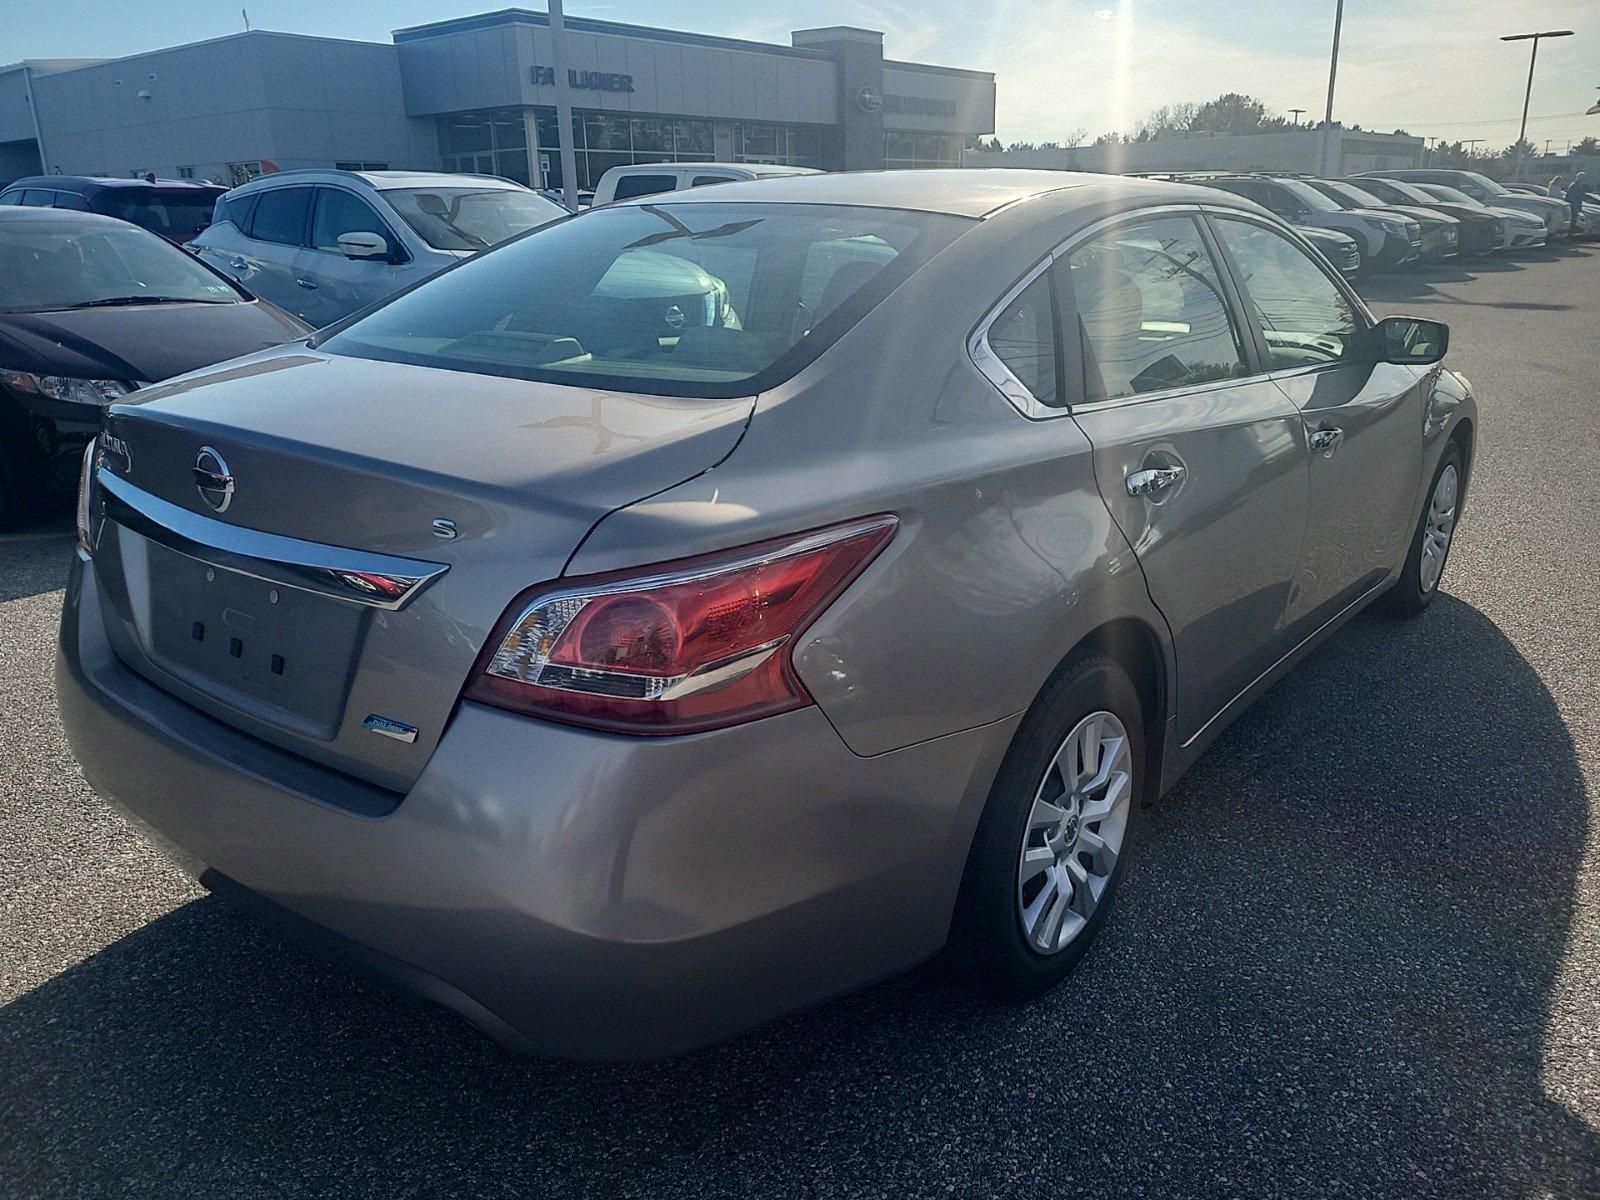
(212, 480)
(869, 99)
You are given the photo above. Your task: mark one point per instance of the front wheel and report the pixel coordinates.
(1053, 838)
(1430, 544)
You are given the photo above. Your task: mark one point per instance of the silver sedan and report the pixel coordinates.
(703, 606)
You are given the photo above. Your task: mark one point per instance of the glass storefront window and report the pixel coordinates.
(693, 139)
(903, 150)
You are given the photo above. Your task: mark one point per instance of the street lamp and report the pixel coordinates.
(1532, 58)
(1333, 71)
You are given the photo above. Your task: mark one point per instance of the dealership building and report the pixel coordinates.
(478, 94)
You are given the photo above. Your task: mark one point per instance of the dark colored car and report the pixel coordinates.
(90, 309)
(1481, 232)
(177, 209)
(1441, 235)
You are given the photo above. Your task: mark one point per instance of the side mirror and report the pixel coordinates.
(1412, 341)
(363, 245)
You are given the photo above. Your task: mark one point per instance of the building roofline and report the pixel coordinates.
(526, 16)
(86, 63)
(933, 69)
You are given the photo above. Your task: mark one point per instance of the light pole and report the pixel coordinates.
(1522, 134)
(558, 67)
(1333, 71)
(1295, 113)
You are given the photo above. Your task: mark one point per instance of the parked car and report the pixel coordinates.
(1482, 232)
(92, 308)
(621, 689)
(1340, 249)
(1590, 220)
(1522, 230)
(1441, 235)
(1386, 240)
(177, 209)
(1486, 191)
(651, 179)
(324, 244)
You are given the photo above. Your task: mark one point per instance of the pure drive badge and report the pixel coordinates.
(390, 728)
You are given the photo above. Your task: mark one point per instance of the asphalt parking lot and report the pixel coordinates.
(1357, 954)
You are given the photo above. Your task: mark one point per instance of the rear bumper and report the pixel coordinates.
(568, 892)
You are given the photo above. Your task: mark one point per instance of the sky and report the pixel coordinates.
(1432, 67)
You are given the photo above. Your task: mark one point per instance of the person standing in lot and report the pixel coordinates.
(1557, 187)
(1575, 198)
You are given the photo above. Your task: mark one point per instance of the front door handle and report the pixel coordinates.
(1152, 481)
(1325, 441)
(306, 283)
(238, 264)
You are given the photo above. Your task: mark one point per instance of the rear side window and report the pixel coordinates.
(702, 180)
(645, 185)
(39, 197)
(72, 201)
(673, 300)
(1152, 310)
(236, 210)
(1023, 337)
(280, 216)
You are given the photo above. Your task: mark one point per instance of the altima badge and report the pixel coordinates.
(390, 728)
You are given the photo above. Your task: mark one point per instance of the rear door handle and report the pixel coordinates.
(306, 283)
(1152, 481)
(1325, 441)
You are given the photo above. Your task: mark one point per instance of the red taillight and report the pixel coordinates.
(687, 646)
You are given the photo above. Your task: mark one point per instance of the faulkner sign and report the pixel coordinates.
(594, 81)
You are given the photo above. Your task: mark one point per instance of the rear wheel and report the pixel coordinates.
(1430, 544)
(1053, 838)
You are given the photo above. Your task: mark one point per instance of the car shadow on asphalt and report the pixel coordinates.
(1331, 972)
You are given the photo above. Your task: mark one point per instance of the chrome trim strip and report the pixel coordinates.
(356, 576)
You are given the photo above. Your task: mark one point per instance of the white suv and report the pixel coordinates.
(648, 179)
(324, 244)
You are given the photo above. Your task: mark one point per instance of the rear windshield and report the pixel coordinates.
(177, 215)
(465, 218)
(667, 299)
(53, 265)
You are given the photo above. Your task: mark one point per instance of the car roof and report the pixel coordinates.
(962, 192)
(64, 217)
(94, 182)
(377, 180)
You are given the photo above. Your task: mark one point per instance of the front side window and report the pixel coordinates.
(68, 264)
(281, 216)
(1305, 319)
(339, 212)
(664, 299)
(1152, 310)
(1023, 337)
(467, 218)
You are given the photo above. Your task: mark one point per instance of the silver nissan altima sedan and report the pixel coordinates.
(710, 604)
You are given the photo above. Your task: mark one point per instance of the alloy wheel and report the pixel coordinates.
(1440, 524)
(1074, 832)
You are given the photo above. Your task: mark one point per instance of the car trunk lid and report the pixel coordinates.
(377, 519)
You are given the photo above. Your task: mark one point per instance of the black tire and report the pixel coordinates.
(987, 941)
(1407, 597)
